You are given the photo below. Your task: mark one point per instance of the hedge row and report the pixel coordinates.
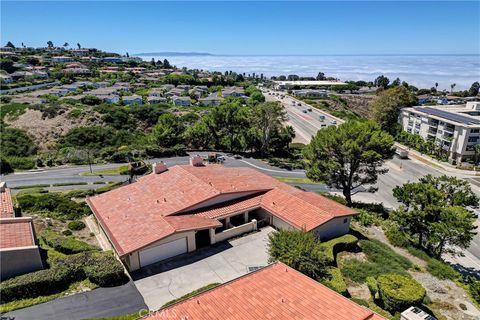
(335, 281)
(372, 285)
(100, 268)
(399, 292)
(344, 243)
(65, 244)
(76, 225)
(55, 205)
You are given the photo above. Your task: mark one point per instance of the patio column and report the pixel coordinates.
(245, 216)
(227, 223)
(212, 236)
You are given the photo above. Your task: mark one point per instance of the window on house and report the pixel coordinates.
(475, 131)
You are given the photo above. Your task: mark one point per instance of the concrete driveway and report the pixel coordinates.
(165, 281)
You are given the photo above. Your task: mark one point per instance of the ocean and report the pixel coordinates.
(419, 70)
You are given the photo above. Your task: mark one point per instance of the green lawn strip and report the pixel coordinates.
(24, 303)
(107, 172)
(131, 316)
(194, 292)
(32, 191)
(70, 184)
(296, 180)
(31, 186)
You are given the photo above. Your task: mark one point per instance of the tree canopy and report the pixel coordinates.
(435, 213)
(386, 107)
(348, 156)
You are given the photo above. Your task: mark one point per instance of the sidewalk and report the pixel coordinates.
(440, 165)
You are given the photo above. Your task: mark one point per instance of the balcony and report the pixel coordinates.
(433, 123)
(449, 129)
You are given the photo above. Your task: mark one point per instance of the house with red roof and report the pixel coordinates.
(19, 252)
(179, 209)
(273, 292)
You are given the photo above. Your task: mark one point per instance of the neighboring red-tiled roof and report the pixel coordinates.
(16, 232)
(191, 222)
(6, 204)
(135, 215)
(274, 292)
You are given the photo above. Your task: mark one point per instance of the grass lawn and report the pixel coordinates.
(296, 180)
(107, 172)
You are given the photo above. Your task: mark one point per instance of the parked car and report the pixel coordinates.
(402, 154)
(323, 125)
(237, 156)
(304, 111)
(334, 122)
(309, 109)
(322, 118)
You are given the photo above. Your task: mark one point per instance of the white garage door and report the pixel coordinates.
(163, 251)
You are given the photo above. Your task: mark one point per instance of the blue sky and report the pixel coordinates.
(321, 27)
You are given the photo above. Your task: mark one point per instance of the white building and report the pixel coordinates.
(455, 128)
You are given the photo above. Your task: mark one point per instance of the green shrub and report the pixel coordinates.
(474, 289)
(334, 197)
(399, 292)
(5, 166)
(31, 186)
(81, 193)
(39, 283)
(298, 249)
(108, 187)
(344, 243)
(55, 205)
(70, 184)
(67, 232)
(366, 218)
(441, 270)
(22, 163)
(334, 280)
(105, 270)
(63, 244)
(76, 225)
(418, 253)
(372, 285)
(397, 237)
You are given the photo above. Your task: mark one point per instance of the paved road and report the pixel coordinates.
(101, 302)
(400, 171)
(33, 87)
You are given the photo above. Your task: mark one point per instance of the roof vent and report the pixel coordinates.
(196, 161)
(159, 167)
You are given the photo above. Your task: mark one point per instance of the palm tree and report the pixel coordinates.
(65, 45)
(436, 86)
(452, 86)
(50, 44)
(79, 46)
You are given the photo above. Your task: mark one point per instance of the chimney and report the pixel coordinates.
(3, 186)
(196, 161)
(159, 167)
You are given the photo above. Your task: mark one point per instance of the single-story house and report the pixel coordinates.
(179, 209)
(175, 92)
(18, 246)
(101, 84)
(156, 99)
(181, 101)
(156, 92)
(212, 100)
(133, 99)
(62, 59)
(112, 59)
(233, 92)
(273, 292)
(167, 87)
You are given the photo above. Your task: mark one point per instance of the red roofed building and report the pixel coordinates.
(18, 248)
(175, 210)
(6, 204)
(274, 292)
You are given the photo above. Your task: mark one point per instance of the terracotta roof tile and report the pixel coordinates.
(274, 292)
(6, 204)
(191, 222)
(16, 232)
(135, 215)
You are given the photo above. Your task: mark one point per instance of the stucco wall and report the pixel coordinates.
(333, 228)
(229, 233)
(132, 260)
(18, 261)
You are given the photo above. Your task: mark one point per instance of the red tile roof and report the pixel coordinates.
(6, 204)
(16, 232)
(274, 292)
(136, 215)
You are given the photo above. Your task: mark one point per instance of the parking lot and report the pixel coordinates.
(171, 279)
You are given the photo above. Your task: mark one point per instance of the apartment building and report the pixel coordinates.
(455, 128)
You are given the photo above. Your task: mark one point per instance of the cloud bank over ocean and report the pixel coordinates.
(418, 70)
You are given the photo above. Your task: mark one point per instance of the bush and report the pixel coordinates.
(105, 271)
(76, 225)
(55, 205)
(22, 163)
(16, 142)
(39, 283)
(344, 243)
(67, 232)
(360, 302)
(372, 285)
(474, 289)
(64, 244)
(441, 270)
(397, 237)
(399, 292)
(5, 166)
(334, 280)
(298, 249)
(367, 218)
